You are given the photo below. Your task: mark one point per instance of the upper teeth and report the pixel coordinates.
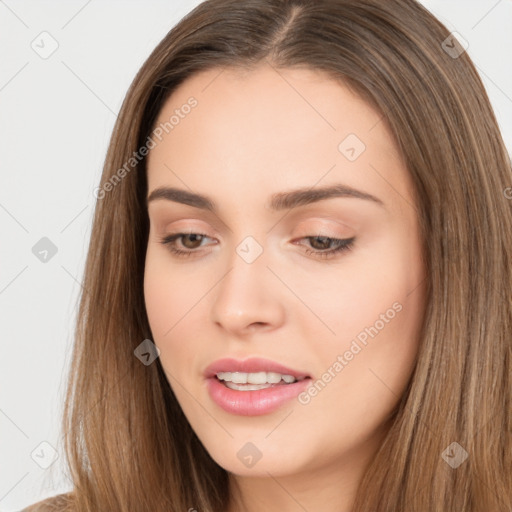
(255, 378)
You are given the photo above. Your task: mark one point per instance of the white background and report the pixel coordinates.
(56, 118)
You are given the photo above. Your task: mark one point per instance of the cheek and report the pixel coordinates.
(169, 293)
(374, 293)
(168, 304)
(376, 314)
(365, 372)
(160, 300)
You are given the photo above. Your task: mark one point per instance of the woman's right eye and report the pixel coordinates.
(169, 242)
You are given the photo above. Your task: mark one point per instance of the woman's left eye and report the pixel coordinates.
(195, 240)
(340, 245)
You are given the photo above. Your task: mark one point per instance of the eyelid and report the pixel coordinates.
(320, 223)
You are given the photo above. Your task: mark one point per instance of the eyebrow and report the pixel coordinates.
(278, 201)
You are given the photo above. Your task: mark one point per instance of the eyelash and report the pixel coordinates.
(342, 245)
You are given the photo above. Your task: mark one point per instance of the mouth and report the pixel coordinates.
(243, 381)
(254, 370)
(253, 386)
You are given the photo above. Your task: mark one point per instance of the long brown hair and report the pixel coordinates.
(129, 445)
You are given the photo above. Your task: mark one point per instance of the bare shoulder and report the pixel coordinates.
(59, 503)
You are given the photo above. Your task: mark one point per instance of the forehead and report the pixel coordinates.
(266, 129)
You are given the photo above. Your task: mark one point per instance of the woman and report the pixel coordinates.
(298, 287)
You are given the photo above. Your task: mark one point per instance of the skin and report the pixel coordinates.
(252, 134)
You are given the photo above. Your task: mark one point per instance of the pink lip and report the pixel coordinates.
(251, 365)
(256, 402)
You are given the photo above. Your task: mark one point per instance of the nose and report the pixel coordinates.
(249, 298)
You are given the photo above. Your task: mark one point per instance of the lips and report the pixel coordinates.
(251, 365)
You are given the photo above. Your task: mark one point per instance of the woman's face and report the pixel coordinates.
(264, 149)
